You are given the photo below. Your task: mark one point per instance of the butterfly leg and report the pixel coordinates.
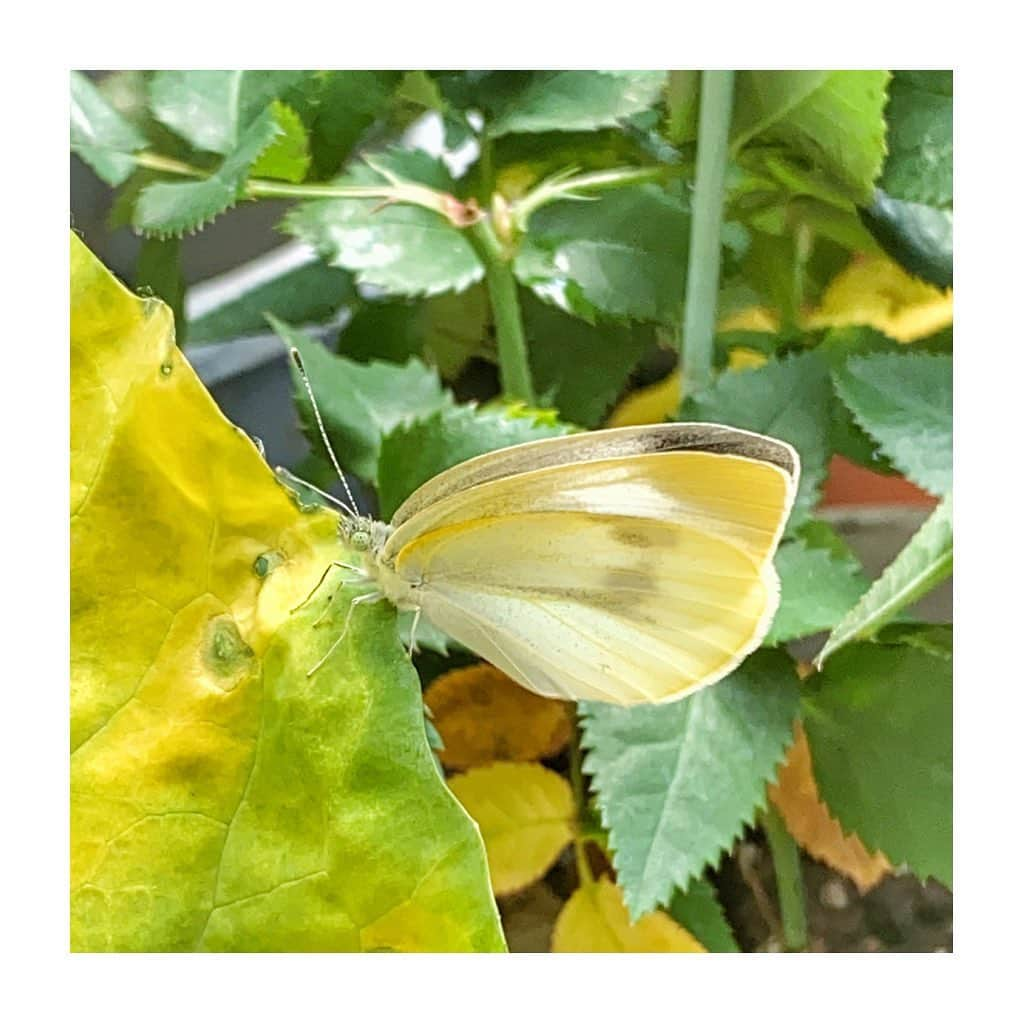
(413, 649)
(333, 565)
(372, 598)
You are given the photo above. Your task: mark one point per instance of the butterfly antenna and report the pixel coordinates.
(297, 360)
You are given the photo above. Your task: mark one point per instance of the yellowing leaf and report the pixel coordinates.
(741, 358)
(810, 823)
(525, 814)
(220, 798)
(876, 292)
(595, 920)
(756, 318)
(653, 404)
(484, 716)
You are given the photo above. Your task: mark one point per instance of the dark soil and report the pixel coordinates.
(900, 915)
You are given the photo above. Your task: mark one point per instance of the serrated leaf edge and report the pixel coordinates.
(748, 820)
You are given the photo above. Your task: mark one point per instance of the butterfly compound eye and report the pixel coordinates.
(360, 540)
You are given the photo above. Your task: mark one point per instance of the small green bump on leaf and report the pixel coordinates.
(266, 563)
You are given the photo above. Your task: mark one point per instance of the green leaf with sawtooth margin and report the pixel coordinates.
(213, 110)
(348, 104)
(919, 167)
(580, 368)
(416, 451)
(360, 402)
(925, 562)
(168, 209)
(787, 398)
(818, 589)
(287, 158)
(565, 101)
(310, 294)
(846, 437)
(905, 402)
(879, 721)
(700, 913)
(763, 97)
(400, 248)
(622, 256)
(676, 783)
(839, 128)
(100, 135)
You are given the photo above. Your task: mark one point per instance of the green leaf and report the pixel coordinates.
(763, 97)
(564, 101)
(676, 783)
(700, 913)
(621, 256)
(360, 402)
(838, 127)
(446, 330)
(580, 369)
(919, 168)
(287, 158)
(789, 399)
(818, 589)
(172, 208)
(905, 402)
(310, 294)
(921, 566)
(214, 110)
(349, 103)
(221, 798)
(414, 452)
(400, 248)
(918, 237)
(879, 721)
(99, 134)
(159, 271)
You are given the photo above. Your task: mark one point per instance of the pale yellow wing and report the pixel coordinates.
(618, 443)
(735, 497)
(583, 605)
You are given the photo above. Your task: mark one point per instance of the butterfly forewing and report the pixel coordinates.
(626, 566)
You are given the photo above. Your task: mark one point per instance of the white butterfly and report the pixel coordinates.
(631, 565)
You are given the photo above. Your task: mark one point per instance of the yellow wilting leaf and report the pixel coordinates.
(741, 358)
(755, 318)
(221, 799)
(809, 822)
(484, 716)
(525, 814)
(876, 292)
(595, 920)
(653, 404)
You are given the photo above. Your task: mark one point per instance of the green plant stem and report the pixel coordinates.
(567, 185)
(698, 337)
(579, 792)
(788, 880)
(513, 360)
(156, 162)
